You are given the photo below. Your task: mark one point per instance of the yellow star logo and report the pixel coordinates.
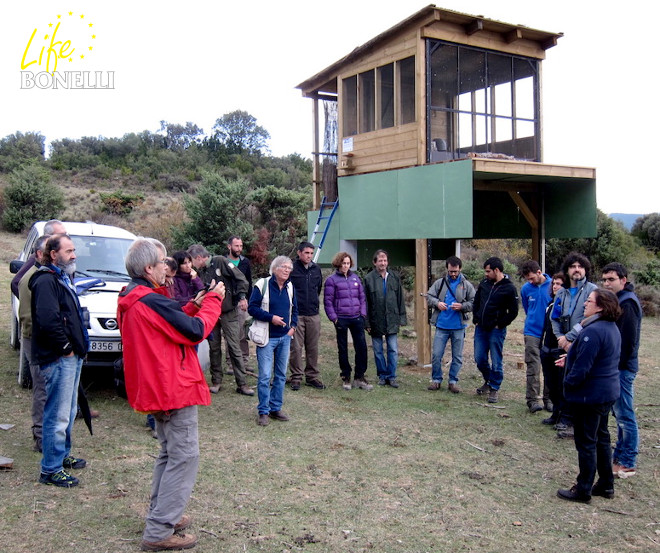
(70, 13)
(50, 24)
(82, 56)
(70, 60)
(82, 16)
(93, 36)
(91, 24)
(90, 48)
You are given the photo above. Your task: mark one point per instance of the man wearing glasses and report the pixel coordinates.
(451, 299)
(615, 279)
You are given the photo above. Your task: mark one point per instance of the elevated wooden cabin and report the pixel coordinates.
(431, 133)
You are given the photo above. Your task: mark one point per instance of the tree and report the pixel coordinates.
(219, 208)
(30, 197)
(20, 148)
(239, 132)
(180, 137)
(647, 229)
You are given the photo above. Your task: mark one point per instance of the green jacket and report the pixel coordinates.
(385, 312)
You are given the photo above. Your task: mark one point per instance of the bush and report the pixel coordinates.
(120, 203)
(30, 197)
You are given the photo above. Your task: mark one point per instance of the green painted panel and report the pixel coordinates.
(570, 211)
(430, 201)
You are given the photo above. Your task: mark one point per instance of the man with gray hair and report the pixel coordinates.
(59, 345)
(163, 377)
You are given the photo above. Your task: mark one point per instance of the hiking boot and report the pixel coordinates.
(382, 382)
(535, 407)
(561, 426)
(600, 491)
(453, 388)
(215, 388)
(573, 495)
(174, 542)
(483, 390)
(62, 479)
(263, 420)
(392, 382)
(493, 396)
(434, 386)
(245, 390)
(315, 384)
(568, 433)
(548, 405)
(73, 463)
(295, 386)
(362, 384)
(549, 421)
(185, 522)
(346, 385)
(278, 415)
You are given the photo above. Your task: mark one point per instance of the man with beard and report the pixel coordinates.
(59, 345)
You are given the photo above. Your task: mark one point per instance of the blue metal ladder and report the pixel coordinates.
(324, 220)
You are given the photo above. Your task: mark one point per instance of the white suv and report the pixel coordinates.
(100, 253)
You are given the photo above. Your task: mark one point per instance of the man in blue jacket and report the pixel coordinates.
(535, 296)
(615, 279)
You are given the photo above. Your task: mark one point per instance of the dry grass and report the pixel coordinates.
(389, 470)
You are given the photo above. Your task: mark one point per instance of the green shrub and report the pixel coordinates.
(120, 203)
(30, 197)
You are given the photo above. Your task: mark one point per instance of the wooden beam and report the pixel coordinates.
(474, 27)
(422, 327)
(504, 186)
(524, 208)
(512, 36)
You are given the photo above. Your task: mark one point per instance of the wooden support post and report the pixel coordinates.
(422, 327)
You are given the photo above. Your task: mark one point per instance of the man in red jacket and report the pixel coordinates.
(163, 377)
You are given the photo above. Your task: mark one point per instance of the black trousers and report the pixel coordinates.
(356, 327)
(592, 442)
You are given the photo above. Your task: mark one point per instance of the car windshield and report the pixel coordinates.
(102, 257)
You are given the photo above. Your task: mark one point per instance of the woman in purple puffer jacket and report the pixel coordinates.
(345, 305)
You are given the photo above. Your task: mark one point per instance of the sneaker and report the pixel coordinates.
(623, 472)
(453, 388)
(573, 495)
(62, 479)
(315, 384)
(535, 407)
(73, 463)
(434, 386)
(215, 388)
(295, 386)
(346, 385)
(493, 396)
(483, 390)
(382, 382)
(362, 384)
(392, 382)
(174, 542)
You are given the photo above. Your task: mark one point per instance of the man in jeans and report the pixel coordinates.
(495, 308)
(59, 345)
(615, 279)
(451, 299)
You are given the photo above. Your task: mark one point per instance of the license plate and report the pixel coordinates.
(102, 346)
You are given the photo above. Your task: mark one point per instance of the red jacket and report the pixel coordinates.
(161, 367)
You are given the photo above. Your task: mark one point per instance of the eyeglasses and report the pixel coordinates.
(286, 267)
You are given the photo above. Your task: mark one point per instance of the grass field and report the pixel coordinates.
(404, 470)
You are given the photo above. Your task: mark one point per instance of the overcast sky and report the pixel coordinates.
(195, 61)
